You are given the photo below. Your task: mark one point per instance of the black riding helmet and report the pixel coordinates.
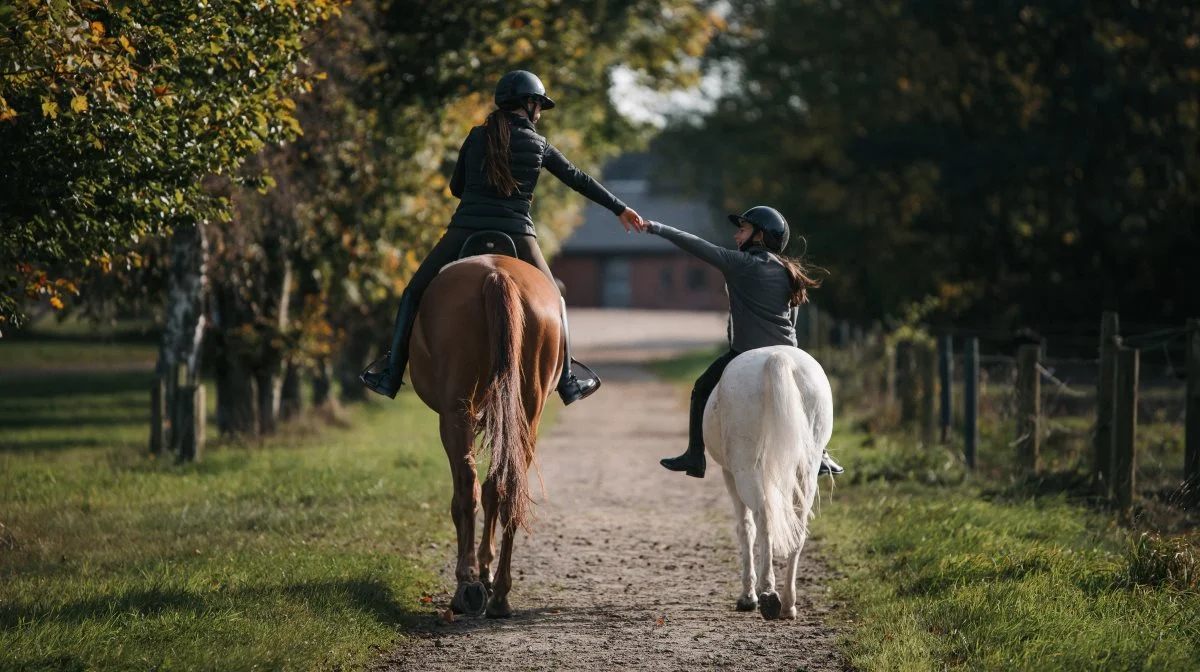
(770, 222)
(518, 88)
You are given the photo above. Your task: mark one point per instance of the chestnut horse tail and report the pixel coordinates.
(501, 414)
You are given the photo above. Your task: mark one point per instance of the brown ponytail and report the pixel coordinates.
(498, 131)
(802, 278)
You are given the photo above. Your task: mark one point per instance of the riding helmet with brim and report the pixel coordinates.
(768, 220)
(518, 85)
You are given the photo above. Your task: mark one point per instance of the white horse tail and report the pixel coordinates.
(784, 446)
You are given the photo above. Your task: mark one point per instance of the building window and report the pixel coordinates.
(666, 278)
(696, 279)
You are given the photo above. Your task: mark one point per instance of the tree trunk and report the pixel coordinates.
(351, 362)
(291, 402)
(322, 384)
(269, 373)
(183, 331)
(237, 407)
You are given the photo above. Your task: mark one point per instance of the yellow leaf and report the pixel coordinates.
(320, 75)
(49, 108)
(56, 302)
(7, 113)
(125, 43)
(79, 103)
(97, 29)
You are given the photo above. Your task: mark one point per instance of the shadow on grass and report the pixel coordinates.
(47, 402)
(1075, 486)
(56, 385)
(366, 595)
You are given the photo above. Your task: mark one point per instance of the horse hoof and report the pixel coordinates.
(769, 606)
(470, 599)
(747, 603)
(789, 614)
(498, 609)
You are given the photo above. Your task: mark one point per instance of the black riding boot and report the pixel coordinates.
(388, 381)
(828, 466)
(570, 388)
(692, 461)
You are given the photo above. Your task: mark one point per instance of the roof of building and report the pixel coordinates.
(602, 233)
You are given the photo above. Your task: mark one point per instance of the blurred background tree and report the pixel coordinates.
(1024, 163)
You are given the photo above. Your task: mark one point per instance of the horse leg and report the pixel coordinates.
(470, 596)
(768, 600)
(497, 606)
(748, 601)
(789, 590)
(487, 542)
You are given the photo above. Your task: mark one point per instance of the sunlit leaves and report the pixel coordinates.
(111, 112)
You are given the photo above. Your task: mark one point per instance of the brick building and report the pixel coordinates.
(603, 266)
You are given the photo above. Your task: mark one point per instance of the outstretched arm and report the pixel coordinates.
(727, 261)
(560, 167)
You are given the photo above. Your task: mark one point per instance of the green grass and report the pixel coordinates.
(47, 345)
(312, 550)
(944, 569)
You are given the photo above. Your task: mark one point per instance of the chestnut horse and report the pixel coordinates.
(487, 349)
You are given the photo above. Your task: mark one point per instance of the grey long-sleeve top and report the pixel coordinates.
(758, 285)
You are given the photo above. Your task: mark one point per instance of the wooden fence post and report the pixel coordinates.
(1125, 427)
(971, 400)
(1191, 452)
(1102, 448)
(1029, 407)
(191, 423)
(927, 361)
(158, 415)
(906, 383)
(889, 377)
(946, 375)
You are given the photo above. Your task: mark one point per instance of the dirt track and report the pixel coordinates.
(630, 567)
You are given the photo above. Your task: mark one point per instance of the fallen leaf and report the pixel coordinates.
(448, 615)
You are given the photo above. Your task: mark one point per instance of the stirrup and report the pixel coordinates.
(829, 467)
(573, 388)
(377, 374)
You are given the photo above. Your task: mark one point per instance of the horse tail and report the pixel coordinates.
(783, 455)
(501, 413)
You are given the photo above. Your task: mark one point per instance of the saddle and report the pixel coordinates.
(488, 242)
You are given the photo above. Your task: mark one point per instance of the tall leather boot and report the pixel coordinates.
(570, 388)
(388, 381)
(692, 462)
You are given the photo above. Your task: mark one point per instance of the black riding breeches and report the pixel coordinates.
(701, 391)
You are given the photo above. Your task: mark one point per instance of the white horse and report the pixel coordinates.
(767, 424)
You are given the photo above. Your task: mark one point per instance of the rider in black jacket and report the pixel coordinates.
(497, 170)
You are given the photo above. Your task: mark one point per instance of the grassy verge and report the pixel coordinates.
(944, 569)
(310, 551)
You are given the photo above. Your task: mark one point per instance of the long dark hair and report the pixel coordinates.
(803, 278)
(498, 132)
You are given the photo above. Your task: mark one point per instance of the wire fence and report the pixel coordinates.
(1037, 407)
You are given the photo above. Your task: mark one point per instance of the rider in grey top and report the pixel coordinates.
(763, 290)
(758, 285)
